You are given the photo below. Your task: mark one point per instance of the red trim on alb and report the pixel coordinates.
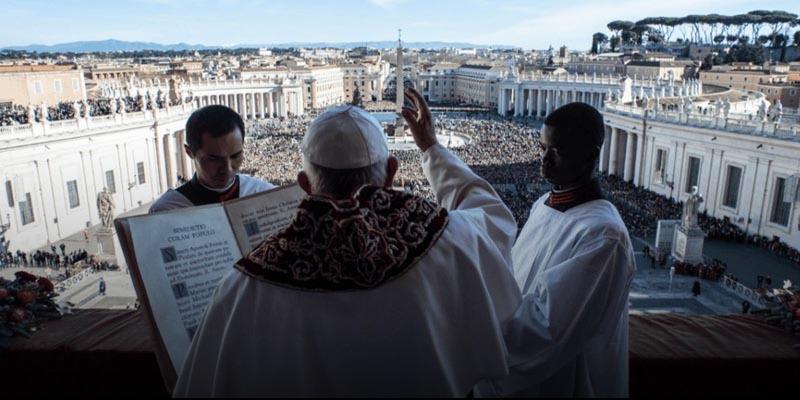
(563, 198)
(233, 190)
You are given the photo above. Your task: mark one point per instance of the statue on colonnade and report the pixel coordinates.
(691, 208)
(105, 207)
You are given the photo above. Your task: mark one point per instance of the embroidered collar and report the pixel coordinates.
(199, 195)
(359, 243)
(563, 201)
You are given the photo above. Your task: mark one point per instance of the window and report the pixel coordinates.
(780, 207)
(661, 165)
(72, 192)
(57, 85)
(140, 172)
(75, 85)
(26, 210)
(37, 87)
(111, 184)
(734, 179)
(693, 174)
(10, 193)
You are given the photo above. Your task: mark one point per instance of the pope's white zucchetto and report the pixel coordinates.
(345, 137)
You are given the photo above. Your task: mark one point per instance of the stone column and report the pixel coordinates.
(530, 102)
(603, 165)
(500, 100)
(173, 162)
(630, 157)
(637, 172)
(253, 106)
(282, 104)
(539, 103)
(518, 101)
(612, 154)
(270, 105)
(159, 162)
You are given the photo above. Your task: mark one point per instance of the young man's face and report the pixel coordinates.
(218, 159)
(565, 162)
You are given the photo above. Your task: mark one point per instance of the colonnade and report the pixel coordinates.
(256, 104)
(622, 154)
(541, 101)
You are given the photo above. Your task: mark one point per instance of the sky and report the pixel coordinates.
(529, 24)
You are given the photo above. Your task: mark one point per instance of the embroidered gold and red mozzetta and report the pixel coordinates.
(358, 243)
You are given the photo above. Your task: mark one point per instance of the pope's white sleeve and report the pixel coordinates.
(459, 189)
(570, 303)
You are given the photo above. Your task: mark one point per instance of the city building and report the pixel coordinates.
(323, 85)
(658, 69)
(37, 84)
(367, 78)
(773, 82)
(746, 169)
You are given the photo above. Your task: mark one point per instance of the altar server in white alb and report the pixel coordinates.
(215, 143)
(574, 263)
(370, 291)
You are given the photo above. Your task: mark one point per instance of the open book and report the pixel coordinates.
(177, 258)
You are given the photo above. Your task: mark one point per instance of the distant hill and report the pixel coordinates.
(109, 45)
(112, 45)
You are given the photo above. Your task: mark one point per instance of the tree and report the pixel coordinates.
(756, 21)
(746, 53)
(640, 31)
(598, 39)
(797, 38)
(614, 43)
(719, 39)
(655, 38)
(622, 30)
(663, 26)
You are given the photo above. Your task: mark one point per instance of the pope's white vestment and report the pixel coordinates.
(281, 324)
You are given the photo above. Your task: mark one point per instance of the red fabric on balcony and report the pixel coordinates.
(102, 353)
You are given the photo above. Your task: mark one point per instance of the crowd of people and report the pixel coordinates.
(13, 115)
(713, 271)
(506, 153)
(19, 115)
(57, 265)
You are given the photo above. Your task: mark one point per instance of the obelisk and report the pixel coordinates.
(399, 127)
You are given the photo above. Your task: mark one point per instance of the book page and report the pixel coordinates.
(182, 255)
(256, 217)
